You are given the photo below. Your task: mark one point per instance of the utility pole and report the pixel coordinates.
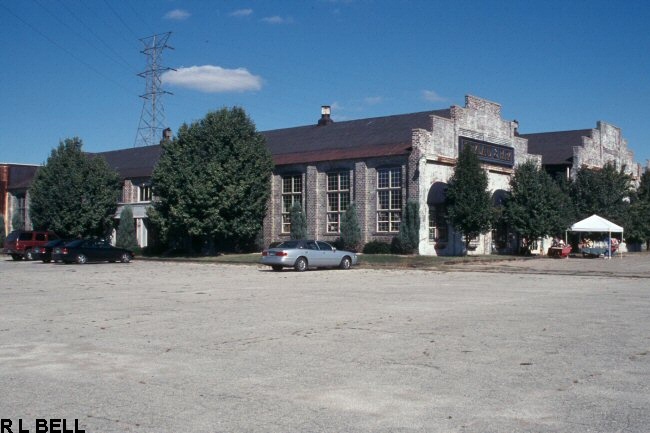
(152, 118)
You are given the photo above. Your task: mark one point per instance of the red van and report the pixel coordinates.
(20, 243)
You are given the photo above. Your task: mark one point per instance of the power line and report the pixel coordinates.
(120, 18)
(92, 32)
(64, 49)
(128, 3)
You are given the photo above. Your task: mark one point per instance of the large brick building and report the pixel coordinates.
(380, 164)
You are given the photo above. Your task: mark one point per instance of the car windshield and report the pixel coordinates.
(53, 243)
(74, 243)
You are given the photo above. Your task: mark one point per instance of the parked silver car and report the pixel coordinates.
(303, 254)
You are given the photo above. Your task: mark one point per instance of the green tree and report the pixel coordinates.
(637, 226)
(605, 192)
(212, 182)
(298, 222)
(536, 206)
(126, 237)
(350, 229)
(74, 194)
(469, 203)
(408, 239)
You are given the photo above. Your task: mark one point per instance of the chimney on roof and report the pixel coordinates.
(325, 118)
(166, 135)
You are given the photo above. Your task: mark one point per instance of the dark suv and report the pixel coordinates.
(20, 243)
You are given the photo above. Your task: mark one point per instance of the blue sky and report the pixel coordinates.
(69, 67)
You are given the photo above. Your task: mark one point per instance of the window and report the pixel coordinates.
(338, 199)
(323, 246)
(291, 193)
(145, 193)
(389, 199)
(438, 231)
(20, 209)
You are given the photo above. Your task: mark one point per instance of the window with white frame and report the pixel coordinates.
(291, 193)
(144, 193)
(338, 199)
(389, 199)
(438, 231)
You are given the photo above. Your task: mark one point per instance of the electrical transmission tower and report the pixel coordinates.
(152, 118)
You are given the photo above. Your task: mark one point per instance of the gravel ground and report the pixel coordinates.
(537, 345)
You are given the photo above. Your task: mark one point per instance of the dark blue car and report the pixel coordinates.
(91, 250)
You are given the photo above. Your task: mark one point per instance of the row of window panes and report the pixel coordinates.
(389, 198)
(338, 181)
(292, 184)
(338, 199)
(389, 178)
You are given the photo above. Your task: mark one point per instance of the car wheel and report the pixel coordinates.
(81, 259)
(301, 264)
(16, 257)
(346, 263)
(29, 255)
(125, 258)
(277, 268)
(46, 260)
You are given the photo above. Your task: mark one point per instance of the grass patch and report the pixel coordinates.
(395, 261)
(382, 261)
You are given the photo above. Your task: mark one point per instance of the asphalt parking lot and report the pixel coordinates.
(534, 346)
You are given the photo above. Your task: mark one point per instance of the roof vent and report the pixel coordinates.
(325, 118)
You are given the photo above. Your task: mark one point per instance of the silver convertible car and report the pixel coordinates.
(303, 254)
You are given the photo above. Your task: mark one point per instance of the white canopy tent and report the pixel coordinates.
(596, 223)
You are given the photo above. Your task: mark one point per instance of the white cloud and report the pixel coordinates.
(213, 79)
(241, 13)
(373, 100)
(276, 19)
(432, 96)
(177, 14)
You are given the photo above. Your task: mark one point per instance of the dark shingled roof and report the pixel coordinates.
(556, 148)
(21, 176)
(133, 162)
(378, 136)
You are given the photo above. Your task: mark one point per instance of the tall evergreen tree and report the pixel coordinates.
(74, 194)
(212, 182)
(408, 238)
(469, 203)
(536, 206)
(350, 229)
(126, 237)
(298, 222)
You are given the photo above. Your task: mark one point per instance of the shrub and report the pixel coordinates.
(406, 242)
(376, 247)
(298, 222)
(126, 237)
(350, 230)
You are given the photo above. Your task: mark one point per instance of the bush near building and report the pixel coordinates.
(212, 184)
